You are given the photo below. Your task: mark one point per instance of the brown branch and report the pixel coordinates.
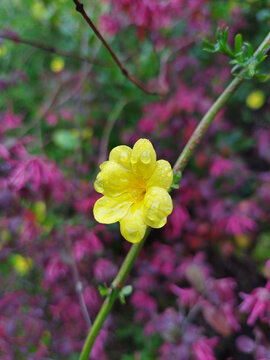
(8, 35)
(133, 79)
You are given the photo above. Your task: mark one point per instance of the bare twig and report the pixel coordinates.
(135, 81)
(44, 110)
(114, 115)
(84, 76)
(8, 35)
(78, 286)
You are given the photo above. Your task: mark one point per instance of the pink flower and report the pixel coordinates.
(56, 269)
(177, 221)
(109, 24)
(90, 244)
(239, 223)
(220, 167)
(104, 270)
(203, 348)
(143, 301)
(146, 282)
(257, 304)
(245, 344)
(11, 121)
(98, 352)
(51, 119)
(91, 297)
(4, 153)
(35, 171)
(187, 297)
(221, 317)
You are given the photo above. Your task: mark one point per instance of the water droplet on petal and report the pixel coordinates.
(145, 157)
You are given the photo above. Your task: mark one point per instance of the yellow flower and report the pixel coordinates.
(135, 187)
(57, 64)
(38, 10)
(3, 50)
(255, 100)
(22, 264)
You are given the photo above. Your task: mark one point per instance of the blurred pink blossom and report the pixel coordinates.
(35, 171)
(104, 270)
(203, 348)
(257, 304)
(56, 269)
(220, 167)
(239, 223)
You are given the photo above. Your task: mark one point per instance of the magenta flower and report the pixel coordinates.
(220, 167)
(56, 269)
(34, 171)
(142, 300)
(11, 121)
(104, 270)
(257, 304)
(239, 223)
(203, 348)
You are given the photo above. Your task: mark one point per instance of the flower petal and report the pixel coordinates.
(162, 175)
(113, 180)
(157, 206)
(121, 155)
(108, 210)
(143, 158)
(132, 226)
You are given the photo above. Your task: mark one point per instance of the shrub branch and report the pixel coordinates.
(133, 79)
(12, 36)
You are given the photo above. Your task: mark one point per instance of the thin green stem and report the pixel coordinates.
(211, 114)
(116, 286)
(204, 124)
(181, 162)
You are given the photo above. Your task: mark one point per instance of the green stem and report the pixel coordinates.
(116, 286)
(211, 114)
(181, 162)
(204, 124)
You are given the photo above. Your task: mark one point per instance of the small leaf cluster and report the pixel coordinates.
(176, 178)
(244, 60)
(125, 291)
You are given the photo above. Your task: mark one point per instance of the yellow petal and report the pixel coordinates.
(121, 155)
(132, 226)
(143, 158)
(157, 206)
(113, 179)
(109, 210)
(162, 175)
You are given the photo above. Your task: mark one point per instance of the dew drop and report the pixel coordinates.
(145, 157)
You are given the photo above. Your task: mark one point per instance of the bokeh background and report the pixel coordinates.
(201, 284)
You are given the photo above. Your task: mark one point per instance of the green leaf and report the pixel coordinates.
(238, 42)
(66, 139)
(103, 290)
(122, 299)
(250, 50)
(208, 46)
(261, 251)
(127, 290)
(176, 178)
(262, 77)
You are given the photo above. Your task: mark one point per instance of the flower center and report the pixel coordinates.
(138, 190)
